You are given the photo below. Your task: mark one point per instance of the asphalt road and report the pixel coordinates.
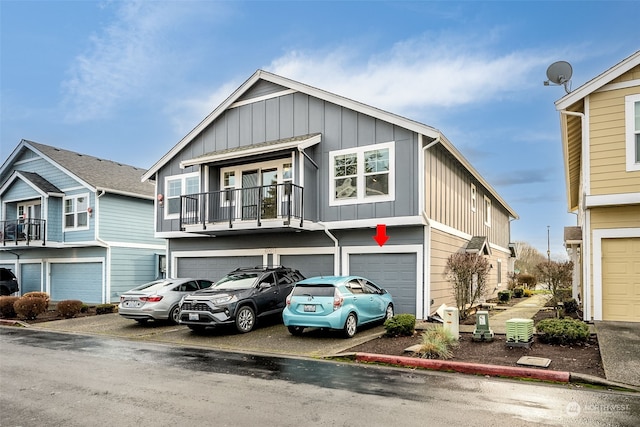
(71, 379)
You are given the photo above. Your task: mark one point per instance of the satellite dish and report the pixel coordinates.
(560, 73)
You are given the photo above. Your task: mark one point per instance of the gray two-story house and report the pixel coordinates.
(76, 226)
(282, 173)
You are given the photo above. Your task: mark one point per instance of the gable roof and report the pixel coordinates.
(97, 174)
(291, 86)
(597, 82)
(478, 245)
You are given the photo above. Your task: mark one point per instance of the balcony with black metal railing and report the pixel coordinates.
(23, 231)
(252, 206)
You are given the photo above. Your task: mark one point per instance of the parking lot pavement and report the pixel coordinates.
(269, 337)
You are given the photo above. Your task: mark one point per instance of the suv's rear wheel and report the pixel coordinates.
(295, 330)
(245, 319)
(350, 325)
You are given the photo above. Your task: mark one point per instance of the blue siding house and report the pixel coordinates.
(283, 173)
(76, 226)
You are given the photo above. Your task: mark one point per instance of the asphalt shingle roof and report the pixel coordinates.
(99, 173)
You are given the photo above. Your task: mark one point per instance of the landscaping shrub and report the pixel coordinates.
(571, 306)
(563, 294)
(38, 295)
(562, 331)
(28, 307)
(504, 296)
(527, 293)
(105, 308)
(527, 280)
(437, 343)
(400, 325)
(6, 307)
(518, 292)
(84, 308)
(69, 308)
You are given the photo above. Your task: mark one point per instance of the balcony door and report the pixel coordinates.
(250, 193)
(29, 216)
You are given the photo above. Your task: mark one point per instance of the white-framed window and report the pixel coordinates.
(499, 272)
(228, 185)
(75, 212)
(176, 186)
(487, 211)
(474, 193)
(362, 174)
(632, 131)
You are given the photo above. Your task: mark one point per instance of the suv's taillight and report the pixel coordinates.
(337, 300)
(154, 298)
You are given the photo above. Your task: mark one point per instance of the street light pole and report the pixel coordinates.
(548, 246)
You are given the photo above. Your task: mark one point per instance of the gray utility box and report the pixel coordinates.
(482, 332)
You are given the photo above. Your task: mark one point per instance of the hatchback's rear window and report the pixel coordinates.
(314, 290)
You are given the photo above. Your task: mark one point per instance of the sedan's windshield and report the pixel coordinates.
(236, 281)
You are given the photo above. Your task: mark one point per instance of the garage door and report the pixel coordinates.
(30, 278)
(214, 268)
(621, 279)
(394, 272)
(309, 265)
(82, 281)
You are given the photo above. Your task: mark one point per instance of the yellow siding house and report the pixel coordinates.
(600, 126)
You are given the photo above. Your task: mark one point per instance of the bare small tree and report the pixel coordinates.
(528, 258)
(468, 275)
(556, 274)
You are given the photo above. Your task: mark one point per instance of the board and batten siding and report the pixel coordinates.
(448, 199)
(607, 149)
(297, 114)
(126, 219)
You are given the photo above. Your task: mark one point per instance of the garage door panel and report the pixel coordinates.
(309, 265)
(214, 268)
(394, 272)
(31, 280)
(81, 280)
(621, 279)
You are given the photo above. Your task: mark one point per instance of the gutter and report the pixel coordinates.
(336, 261)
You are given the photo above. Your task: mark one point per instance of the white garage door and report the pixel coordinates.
(214, 268)
(621, 279)
(80, 280)
(394, 272)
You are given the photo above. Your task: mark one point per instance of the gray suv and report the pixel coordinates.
(8, 282)
(239, 298)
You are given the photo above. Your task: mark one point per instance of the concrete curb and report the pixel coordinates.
(466, 368)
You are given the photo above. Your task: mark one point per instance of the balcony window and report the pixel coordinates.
(176, 186)
(362, 175)
(75, 212)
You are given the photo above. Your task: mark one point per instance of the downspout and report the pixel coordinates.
(586, 237)
(105, 297)
(426, 305)
(336, 260)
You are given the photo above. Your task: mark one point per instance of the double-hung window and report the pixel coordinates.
(632, 126)
(176, 186)
(487, 211)
(362, 174)
(75, 212)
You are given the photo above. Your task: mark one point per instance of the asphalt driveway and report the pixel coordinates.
(269, 337)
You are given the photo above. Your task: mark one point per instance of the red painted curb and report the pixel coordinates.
(466, 368)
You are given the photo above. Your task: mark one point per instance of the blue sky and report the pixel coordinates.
(126, 81)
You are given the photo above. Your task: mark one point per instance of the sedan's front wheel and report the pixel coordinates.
(245, 319)
(350, 325)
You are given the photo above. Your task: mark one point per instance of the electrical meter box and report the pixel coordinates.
(482, 332)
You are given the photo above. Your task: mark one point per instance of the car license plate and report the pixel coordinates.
(194, 316)
(309, 308)
(132, 303)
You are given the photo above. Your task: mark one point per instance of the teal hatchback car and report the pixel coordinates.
(336, 302)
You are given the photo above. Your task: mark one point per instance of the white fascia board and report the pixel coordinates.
(612, 200)
(599, 81)
(374, 222)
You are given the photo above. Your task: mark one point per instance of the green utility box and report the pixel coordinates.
(482, 332)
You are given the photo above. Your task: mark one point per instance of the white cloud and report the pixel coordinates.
(122, 59)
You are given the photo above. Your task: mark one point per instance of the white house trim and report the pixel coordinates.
(262, 98)
(598, 235)
(612, 200)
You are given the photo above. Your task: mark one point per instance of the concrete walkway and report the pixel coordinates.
(620, 351)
